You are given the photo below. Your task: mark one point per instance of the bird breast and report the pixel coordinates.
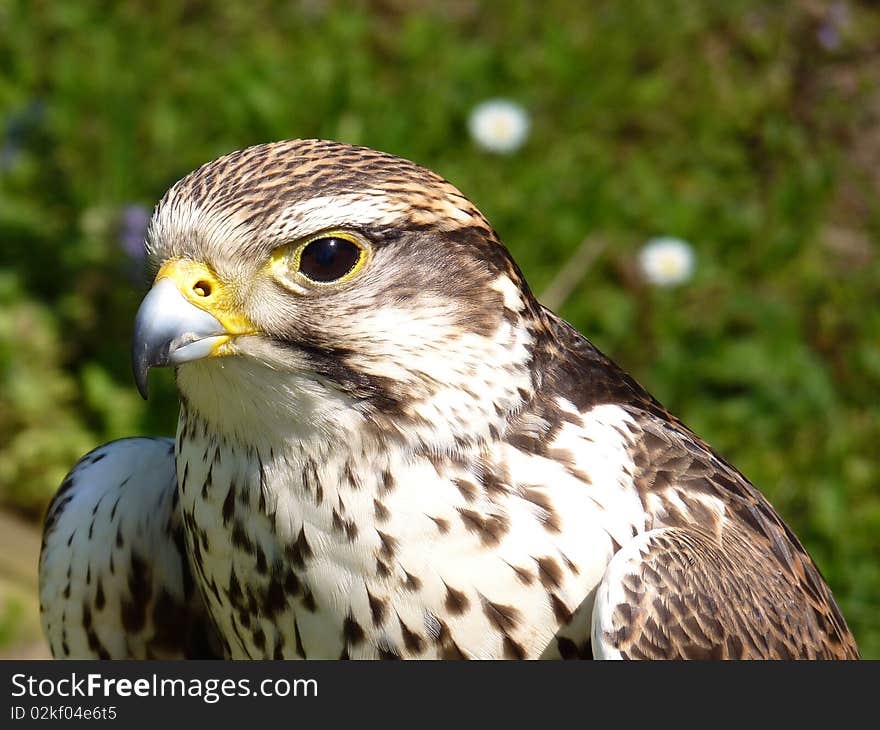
(345, 549)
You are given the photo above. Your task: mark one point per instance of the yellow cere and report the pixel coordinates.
(202, 288)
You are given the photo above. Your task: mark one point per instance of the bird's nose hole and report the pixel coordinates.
(202, 288)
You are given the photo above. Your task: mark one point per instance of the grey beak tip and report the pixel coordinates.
(142, 387)
(140, 367)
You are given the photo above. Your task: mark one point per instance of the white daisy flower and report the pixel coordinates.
(666, 261)
(499, 125)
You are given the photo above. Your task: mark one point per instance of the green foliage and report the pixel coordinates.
(43, 433)
(737, 126)
(11, 619)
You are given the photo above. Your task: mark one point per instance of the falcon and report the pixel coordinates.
(387, 448)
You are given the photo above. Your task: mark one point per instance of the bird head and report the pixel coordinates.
(315, 279)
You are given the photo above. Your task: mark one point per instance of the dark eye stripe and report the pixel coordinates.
(329, 259)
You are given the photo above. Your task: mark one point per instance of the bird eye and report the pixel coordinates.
(329, 259)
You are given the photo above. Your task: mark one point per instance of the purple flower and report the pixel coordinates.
(132, 229)
(836, 19)
(828, 36)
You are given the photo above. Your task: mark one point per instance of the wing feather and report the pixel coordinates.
(115, 581)
(718, 573)
(674, 593)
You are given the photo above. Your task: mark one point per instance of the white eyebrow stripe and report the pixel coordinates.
(329, 211)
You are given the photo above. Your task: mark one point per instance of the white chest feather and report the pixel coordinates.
(352, 549)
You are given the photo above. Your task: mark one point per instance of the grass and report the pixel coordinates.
(745, 127)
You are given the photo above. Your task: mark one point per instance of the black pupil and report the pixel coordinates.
(328, 259)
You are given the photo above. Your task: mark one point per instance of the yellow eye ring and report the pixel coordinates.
(325, 259)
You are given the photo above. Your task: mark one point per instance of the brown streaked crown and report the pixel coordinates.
(248, 194)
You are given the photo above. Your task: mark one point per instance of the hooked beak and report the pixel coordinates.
(169, 330)
(189, 314)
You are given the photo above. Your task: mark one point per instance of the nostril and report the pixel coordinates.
(202, 288)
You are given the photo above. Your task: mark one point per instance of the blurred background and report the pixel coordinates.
(692, 184)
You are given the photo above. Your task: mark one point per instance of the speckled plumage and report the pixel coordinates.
(421, 462)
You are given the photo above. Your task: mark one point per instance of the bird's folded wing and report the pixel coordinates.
(677, 593)
(115, 582)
